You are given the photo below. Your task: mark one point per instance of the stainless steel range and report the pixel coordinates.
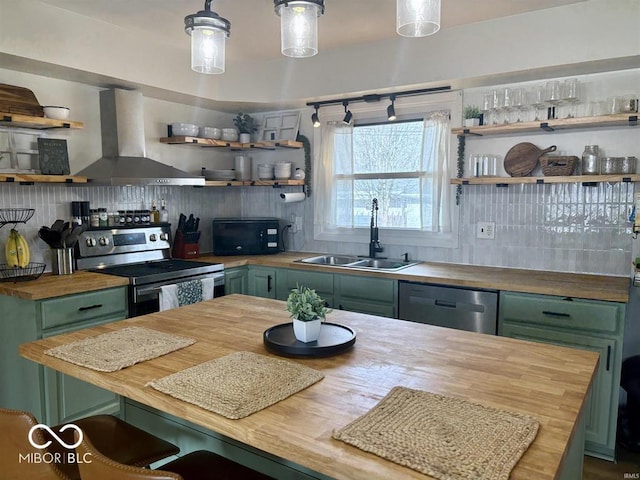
(143, 255)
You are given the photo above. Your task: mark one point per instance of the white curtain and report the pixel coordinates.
(435, 161)
(335, 157)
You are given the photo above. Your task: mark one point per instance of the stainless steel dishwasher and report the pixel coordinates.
(453, 307)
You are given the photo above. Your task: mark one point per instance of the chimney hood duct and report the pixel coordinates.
(123, 159)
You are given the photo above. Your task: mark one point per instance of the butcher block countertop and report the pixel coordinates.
(49, 285)
(546, 381)
(595, 287)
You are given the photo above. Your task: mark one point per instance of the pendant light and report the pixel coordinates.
(299, 26)
(208, 32)
(417, 18)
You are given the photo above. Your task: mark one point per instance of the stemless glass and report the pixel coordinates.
(507, 103)
(570, 95)
(486, 107)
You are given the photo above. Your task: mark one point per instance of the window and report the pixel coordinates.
(405, 164)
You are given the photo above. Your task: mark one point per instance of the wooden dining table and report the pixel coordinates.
(548, 382)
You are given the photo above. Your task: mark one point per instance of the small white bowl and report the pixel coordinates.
(229, 135)
(184, 129)
(210, 132)
(57, 113)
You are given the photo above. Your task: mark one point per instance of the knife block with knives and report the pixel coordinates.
(186, 241)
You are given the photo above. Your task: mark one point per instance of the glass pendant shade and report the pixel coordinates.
(207, 50)
(417, 18)
(299, 28)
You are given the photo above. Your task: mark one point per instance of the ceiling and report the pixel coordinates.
(255, 29)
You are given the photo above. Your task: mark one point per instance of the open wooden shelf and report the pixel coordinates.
(27, 178)
(253, 183)
(617, 120)
(38, 123)
(584, 179)
(210, 142)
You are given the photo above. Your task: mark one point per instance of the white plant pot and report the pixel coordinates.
(245, 138)
(471, 122)
(307, 331)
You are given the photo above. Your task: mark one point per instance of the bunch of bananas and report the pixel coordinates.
(17, 250)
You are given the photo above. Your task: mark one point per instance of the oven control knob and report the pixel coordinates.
(104, 241)
(153, 237)
(164, 237)
(91, 242)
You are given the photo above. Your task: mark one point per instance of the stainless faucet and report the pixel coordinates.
(374, 243)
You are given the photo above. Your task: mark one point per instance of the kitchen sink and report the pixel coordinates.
(329, 260)
(358, 262)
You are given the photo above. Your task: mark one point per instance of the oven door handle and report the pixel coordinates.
(154, 291)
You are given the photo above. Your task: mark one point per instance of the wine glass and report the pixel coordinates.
(507, 103)
(486, 106)
(518, 102)
(570, 95)
(538, 101)
(496, 104)
(553, 95)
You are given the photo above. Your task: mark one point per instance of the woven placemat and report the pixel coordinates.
(113, 351)
(445, 437)
(238, 384)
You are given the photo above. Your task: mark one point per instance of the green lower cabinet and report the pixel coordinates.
(321, 282)
(358, 293)
(582, 324)
(262, 282)
(52, 396)
(190, 437)
(236, 280)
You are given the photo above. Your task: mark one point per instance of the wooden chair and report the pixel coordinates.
(200, 465)
(115, 439)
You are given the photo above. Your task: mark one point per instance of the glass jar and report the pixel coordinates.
(590, 160)
(95, 218)
(103, 217)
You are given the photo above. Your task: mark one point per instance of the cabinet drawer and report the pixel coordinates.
(560, 312)
(86, 306)
(356, 286)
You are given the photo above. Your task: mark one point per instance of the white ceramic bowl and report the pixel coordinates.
(229, 135)
(184, 129)
(210, 132)
(57, 113)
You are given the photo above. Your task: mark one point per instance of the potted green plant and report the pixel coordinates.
(246, 125)
(307, 310)
(472, 115)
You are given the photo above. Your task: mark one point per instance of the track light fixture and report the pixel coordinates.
(208, 33)
(391, 111)
(371, 98)
(299, 26)
(417, 18)
(347, 114)
(314, 118)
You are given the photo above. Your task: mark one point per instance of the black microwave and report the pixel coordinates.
(246, 236)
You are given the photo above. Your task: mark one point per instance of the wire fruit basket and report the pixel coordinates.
(21, 274)
(15, 215)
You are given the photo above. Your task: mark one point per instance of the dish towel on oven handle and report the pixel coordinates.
(185, 293)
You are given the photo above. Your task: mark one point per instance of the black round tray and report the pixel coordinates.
(334, 339)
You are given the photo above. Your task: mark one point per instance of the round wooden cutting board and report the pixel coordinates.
(522, 158)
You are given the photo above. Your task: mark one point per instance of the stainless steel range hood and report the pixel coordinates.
(123, 159)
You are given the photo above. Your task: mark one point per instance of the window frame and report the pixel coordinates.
(408, 108)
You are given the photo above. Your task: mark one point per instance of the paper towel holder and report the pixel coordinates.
(293, 197)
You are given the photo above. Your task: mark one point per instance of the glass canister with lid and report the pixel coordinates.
(590, 160)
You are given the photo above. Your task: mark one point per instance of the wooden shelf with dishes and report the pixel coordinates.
(16, 120)
(584, 179)
(601, 121)
(254, 183)
(210, 142)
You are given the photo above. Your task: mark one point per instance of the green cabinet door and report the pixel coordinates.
(372, 295)
(262, 282)
(599, 430)
(236, 280)
(321, 282)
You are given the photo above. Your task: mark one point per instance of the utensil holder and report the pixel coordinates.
(62, 261)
